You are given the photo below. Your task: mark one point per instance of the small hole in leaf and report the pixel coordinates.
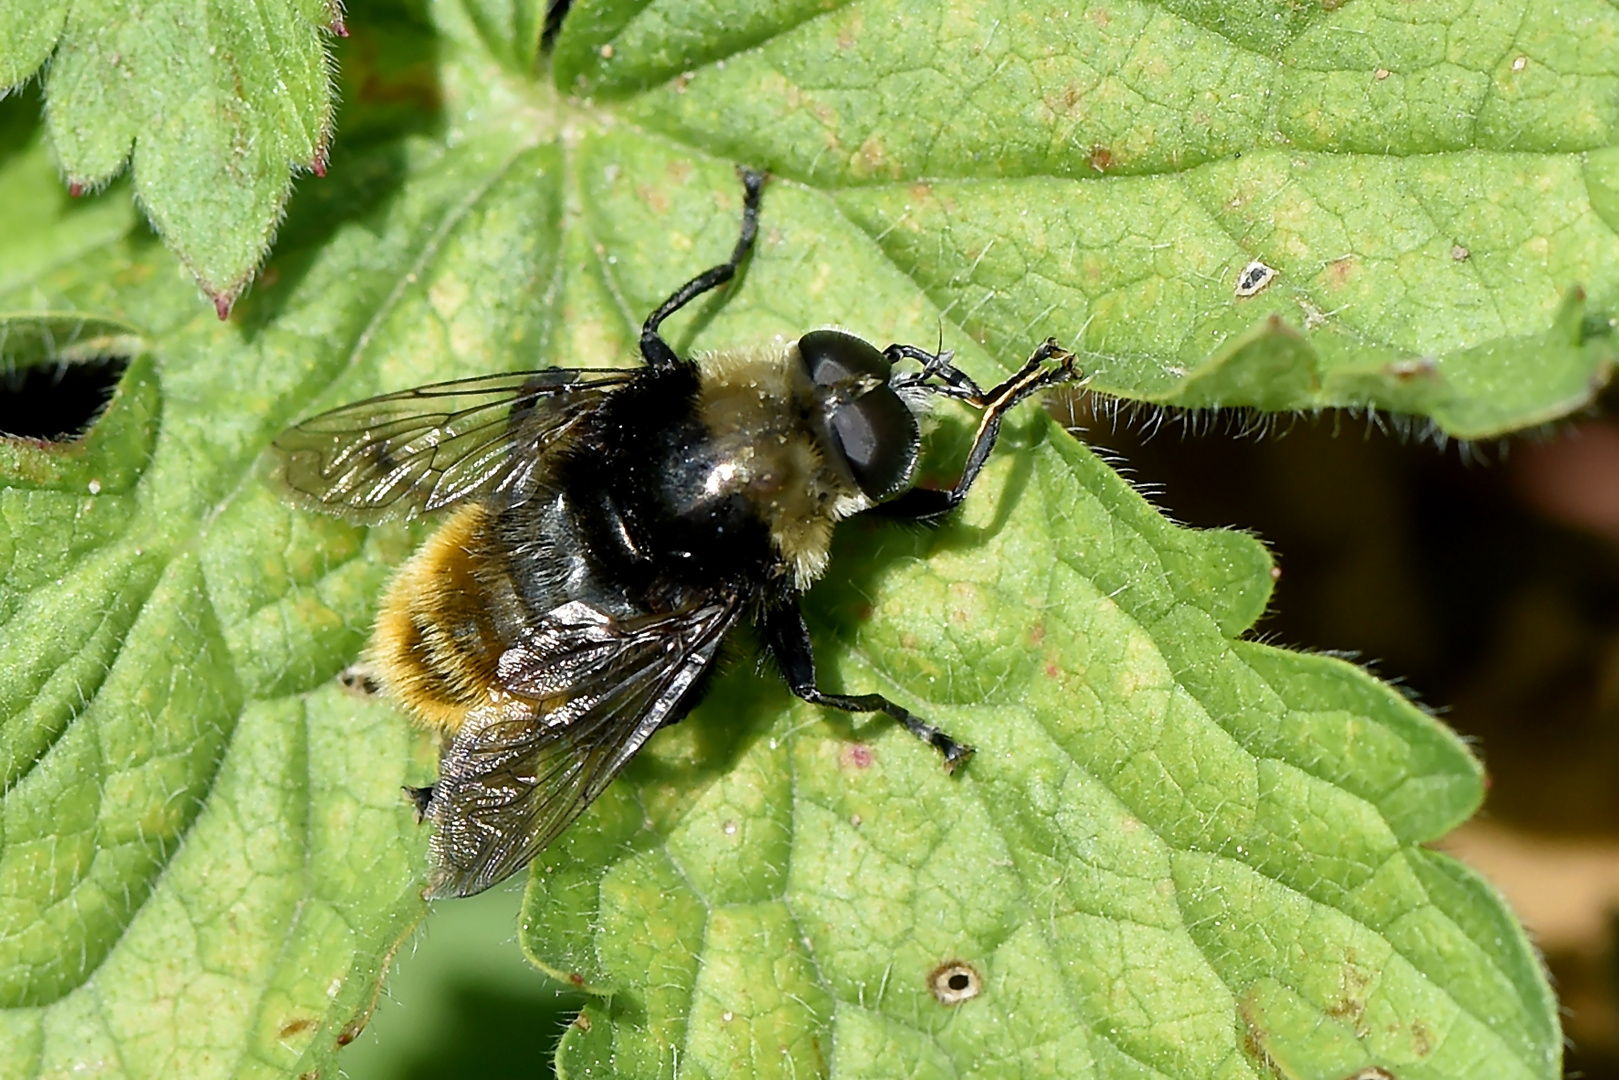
(954, 981)
(57, 402)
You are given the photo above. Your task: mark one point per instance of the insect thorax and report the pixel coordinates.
(770, 448)
(713, 474)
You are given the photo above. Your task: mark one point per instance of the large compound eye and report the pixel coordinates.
(832, 358)
(880, 439)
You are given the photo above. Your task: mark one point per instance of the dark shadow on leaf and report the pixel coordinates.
(496, 1032)
(20, 131)
(867, 546)
(739, 709)
(57, 403)
(19, 120)
(389, 92)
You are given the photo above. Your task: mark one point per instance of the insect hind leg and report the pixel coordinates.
(654, 349)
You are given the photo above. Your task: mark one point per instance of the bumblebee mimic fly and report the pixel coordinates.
(607, 529)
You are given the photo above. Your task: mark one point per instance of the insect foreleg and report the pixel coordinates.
(924, 503)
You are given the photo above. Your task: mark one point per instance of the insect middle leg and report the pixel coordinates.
(788, 639)
(654, 349)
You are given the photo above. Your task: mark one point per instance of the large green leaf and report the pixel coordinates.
(1178, 852)
(1433, 184)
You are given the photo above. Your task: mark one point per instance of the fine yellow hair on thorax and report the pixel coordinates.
(756, 403)
(435, 647)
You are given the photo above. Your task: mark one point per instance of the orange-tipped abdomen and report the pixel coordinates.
(436, 648)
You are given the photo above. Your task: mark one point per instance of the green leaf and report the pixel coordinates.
(211, 106)
(1178, 853)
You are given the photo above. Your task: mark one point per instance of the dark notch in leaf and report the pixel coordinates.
(78, 400)
(57, 402)
(555, 12)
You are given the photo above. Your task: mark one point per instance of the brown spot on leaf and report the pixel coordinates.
(582, 1022)
(1064, 101)
(871, 157)
(849, 32)
(858, 756)
(654, 198)
(1255, 1039)
(1341, 271)
(1037, 633)
(297, 1026)
(1101, 158)
(1350, 1007)
(1418, 367)
(576, 978)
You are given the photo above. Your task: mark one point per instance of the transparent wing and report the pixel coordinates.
(418, 450)
(588, 690)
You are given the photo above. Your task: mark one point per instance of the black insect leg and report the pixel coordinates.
(955, 382)
(654, 349)
(788, 638)
(924, 503)
(420, 797)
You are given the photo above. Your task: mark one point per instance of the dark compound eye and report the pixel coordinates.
(879, 438)
(832, 357)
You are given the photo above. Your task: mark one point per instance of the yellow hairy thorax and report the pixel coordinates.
(756, 404)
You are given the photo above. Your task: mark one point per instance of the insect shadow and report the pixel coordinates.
(868, 548)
